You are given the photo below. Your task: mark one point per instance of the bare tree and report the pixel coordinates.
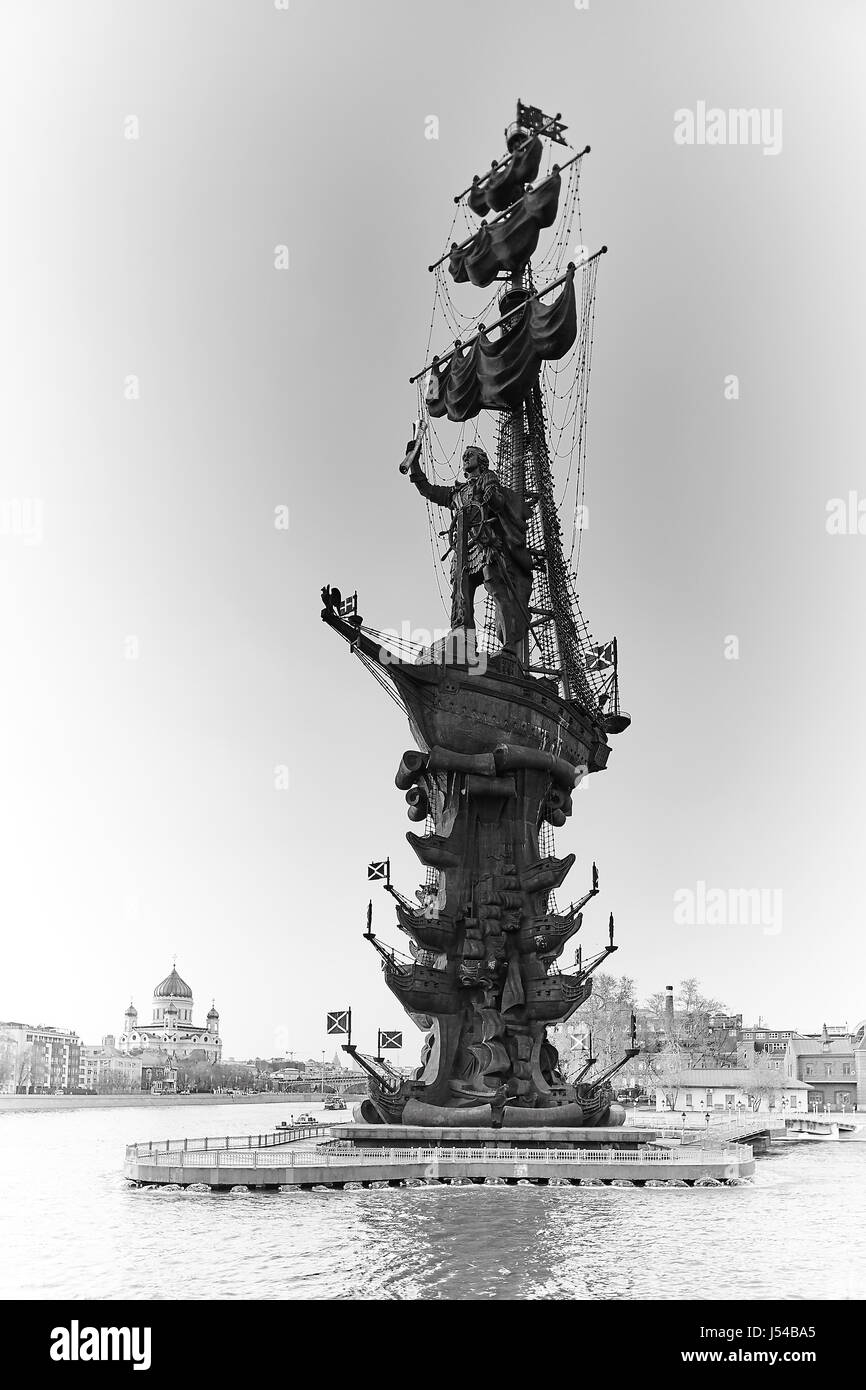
(610, 1007)
(701, 1037)
(23, 1067)
(606, 1016)
(8, 1050)
(698, 1026)
(116, 1081)
(196, 1073)
(765, 1082)
(664, 1069)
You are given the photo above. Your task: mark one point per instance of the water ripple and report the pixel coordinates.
(72, 1228)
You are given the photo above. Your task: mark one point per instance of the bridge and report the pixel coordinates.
(722, 1129)
(823, 1127)
(353, 1085)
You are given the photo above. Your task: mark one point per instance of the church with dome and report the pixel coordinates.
(172, 1028)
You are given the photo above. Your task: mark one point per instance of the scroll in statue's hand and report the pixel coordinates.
(410, 463)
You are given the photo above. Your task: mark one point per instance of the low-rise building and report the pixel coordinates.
(833, 1063)
(730, 1089)
(160, 1080)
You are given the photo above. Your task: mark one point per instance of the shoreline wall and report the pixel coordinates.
(9, 1104)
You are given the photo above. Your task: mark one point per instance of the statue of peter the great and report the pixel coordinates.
(488, 541)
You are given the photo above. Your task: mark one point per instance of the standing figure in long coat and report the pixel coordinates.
(488, 539)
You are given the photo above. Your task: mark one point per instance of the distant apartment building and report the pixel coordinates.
(36, 1059)
(773, 1041)
(766, 1046)
(88, 1068)
(103, 1068)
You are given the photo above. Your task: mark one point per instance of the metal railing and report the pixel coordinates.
(273, 1139)
(352, 1158)
(723, 1126)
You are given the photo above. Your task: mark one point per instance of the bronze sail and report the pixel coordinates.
(510, 243)
(498, 374)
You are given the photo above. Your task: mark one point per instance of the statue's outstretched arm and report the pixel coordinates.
(434, 492)
(412, 465)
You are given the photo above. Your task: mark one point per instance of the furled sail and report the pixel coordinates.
(498, 375)
(502, 188)
(509, 244)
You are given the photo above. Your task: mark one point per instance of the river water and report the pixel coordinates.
(70, 1227)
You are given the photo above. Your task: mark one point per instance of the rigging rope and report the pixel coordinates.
(550, 428)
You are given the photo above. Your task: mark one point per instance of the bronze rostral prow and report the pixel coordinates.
(508, 718)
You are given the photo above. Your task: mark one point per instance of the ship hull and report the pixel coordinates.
(498, 756)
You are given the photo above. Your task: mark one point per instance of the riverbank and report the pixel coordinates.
(34, 1104)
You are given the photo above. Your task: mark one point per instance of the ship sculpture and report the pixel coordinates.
(510, 714)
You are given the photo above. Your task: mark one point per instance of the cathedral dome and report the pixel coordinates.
(172, 987)
(212, 1011)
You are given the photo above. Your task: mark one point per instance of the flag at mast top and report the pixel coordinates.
(519, 135)
(531, 120)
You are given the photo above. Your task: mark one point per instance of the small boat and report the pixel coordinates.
(305, 1120)
(334, 1103)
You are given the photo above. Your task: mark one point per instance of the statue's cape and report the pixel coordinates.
(513, 516)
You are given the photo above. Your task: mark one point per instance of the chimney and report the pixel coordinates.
(669, 1003)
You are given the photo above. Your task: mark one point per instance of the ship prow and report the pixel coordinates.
(457, 703)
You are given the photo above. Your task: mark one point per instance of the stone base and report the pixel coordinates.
(395, 1155)
(461, 1136)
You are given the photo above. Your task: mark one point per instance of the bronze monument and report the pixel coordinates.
(508, 717)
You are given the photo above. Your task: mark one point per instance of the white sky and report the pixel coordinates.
(138, 806)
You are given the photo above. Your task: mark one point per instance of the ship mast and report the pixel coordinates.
(552, 649)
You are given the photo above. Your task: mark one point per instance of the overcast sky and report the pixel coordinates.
(162, 651)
